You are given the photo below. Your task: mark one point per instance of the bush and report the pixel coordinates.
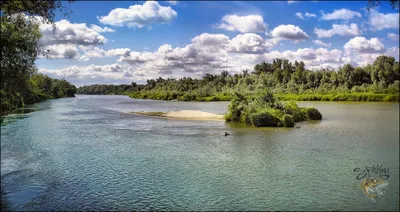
(293, 109)
(265, 111)
(263, 119)
(288, 121)
(313, 113)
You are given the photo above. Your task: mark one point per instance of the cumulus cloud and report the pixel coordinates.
(342, 14)
(306, 15)
(299, 15)
(138, 16)
(72, 33)
(361, 45)
(62, 42)
(249, 23)
(100, 29)
(247, 43)
(207, 53)
(320, 43)
(310, 15)
(96, 52)
(173, 2)
(393, 36)
(312, 58)
(380, 21)
(81, 75)
(62, 51)
(289, 32)
(338, 29)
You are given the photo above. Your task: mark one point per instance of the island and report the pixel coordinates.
(261, 110)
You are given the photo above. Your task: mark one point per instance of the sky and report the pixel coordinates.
(132, 41)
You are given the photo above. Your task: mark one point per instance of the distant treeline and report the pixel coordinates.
(289, 81)
(99, 89)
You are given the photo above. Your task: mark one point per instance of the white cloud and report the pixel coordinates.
(95, 52)
(342, 14)
(289, 32)
(67, 39)
(320, 43)
(291, 2)
(100, 30)
(306, 15)
(72, 33)
(310, 15)
(380, 21)
(393, 36)
(361, 45)
(62, 51)
(118, 52)
(247, 43)
(81, 75)
(173, 2)
(207, 53)
(249, 23)
(312, 58)
(337, 29)
(138, 16)
(299, 15)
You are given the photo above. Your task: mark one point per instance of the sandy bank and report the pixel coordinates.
(184, 114)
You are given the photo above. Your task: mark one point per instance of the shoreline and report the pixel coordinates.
(185, 115)
(345, 97)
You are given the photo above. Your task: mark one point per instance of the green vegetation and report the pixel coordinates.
(20, 84)
(375, 82)
(264, 110)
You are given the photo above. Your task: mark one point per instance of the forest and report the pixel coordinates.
(20, 82)
(378, 81)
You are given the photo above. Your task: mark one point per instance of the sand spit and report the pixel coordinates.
(185, 114)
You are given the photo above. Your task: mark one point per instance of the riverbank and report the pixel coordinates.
(184, 114)
(364, 97)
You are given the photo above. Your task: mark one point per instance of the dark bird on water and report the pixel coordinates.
(226, 134)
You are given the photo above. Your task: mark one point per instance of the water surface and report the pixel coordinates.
(88, 153)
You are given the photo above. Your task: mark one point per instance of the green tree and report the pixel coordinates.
(20, 35)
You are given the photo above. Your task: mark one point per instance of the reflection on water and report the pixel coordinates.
(88, 153)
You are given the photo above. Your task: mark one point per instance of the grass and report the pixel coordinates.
(367, 97)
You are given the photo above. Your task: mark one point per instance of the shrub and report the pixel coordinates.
(293, 109)
(288, 121)
(313, 113)
(263, 119)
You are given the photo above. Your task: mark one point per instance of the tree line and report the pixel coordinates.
(20, 83)
(378, 81)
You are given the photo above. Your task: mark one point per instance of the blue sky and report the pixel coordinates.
(177, 39)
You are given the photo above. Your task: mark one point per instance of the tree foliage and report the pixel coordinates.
(20, 48)
(374, 3)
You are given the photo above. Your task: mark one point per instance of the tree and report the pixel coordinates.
(20, 35)
(374, 3)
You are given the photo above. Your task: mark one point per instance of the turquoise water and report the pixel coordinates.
(88, 153)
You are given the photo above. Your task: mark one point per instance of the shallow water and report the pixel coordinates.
(88, 153)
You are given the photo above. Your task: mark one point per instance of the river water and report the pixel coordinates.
(88, 153)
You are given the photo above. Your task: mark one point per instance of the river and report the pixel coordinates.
(89, 153)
